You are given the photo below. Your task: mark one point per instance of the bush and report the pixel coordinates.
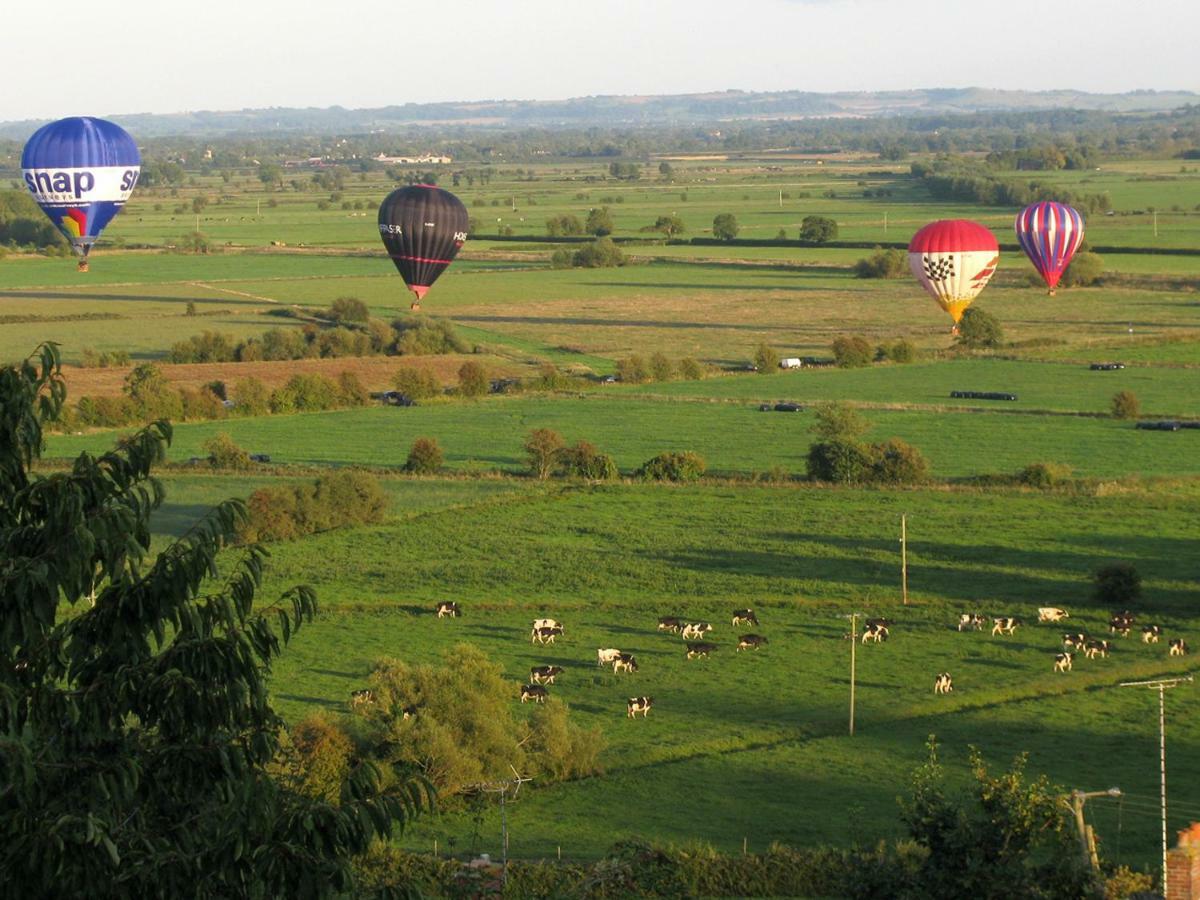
(836, 420)
(421, 336)
(632, 370)
(286, 512)
(543, 448)
(839, 462)
(417, 383)
(725, 226)
(897, 462)
(561, 749)
(902, 351)
(890, 263)
(600, 254)
(425, 457)
(818, 229)
(323, 749)
(1085, 269)
(562, 258)
(251, 397)
(685, 466)
(660, 367)
(472, 379)
(348, 309)
(305, 393)
(210, 346)
(1117, 585)
(766, 359)
(979, 329)
(852, 351)
(585, 461)
(1125, 405)
(151, 394)
(1043, 474)
(351, 391)
(201, 404)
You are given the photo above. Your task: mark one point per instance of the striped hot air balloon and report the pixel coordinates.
(81, 171)
(1049, 233)
(953, 259)
(423, 228)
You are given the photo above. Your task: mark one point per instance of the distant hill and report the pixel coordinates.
(633, 111)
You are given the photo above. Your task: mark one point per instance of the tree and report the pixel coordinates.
(599, 222)
(852, 351)
(139, 735)
(585, 461)
(766, 359)
(632, 370)
(835, 420)
(152, 394)
(668, 225)
(224, 453)
(1117, 585)
(660, 367)
(725, 226)
(418, 384)
(599, 254)
(425, 457)
(543, 448)
(270, 175)
(979, 329)
(839, 461)
(665, 172)
(818, 229)
(890, 263)
(690, 369)
(1125, 405)
(349, 309)
(1084, 270)
(472, 379)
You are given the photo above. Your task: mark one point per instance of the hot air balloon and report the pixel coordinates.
(81, 171)
(422, 227)
(953, 259)
(1049, 233)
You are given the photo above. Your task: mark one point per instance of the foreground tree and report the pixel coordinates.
(136, 735)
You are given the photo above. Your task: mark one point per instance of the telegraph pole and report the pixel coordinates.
(904, 557)
(853, 617)
(1087, 838)
(1161, 684)
(502, 788)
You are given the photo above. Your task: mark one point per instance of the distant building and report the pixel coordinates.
(427, 159)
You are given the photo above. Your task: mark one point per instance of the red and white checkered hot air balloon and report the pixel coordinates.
(953, 259)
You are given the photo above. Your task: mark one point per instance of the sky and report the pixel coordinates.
(135, 56)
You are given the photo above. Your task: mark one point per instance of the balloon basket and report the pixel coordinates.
(82, 265)
(415, 306)
(1052, 292)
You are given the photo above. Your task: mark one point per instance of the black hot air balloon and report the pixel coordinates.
(423, 228)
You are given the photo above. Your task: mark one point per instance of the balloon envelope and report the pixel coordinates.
(953, 259)
(81, 171)
(423, 227)
(1049, 233)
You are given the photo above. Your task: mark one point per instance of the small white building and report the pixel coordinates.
(791, 362)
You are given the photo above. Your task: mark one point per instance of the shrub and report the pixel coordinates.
(425, 457)
(902, 351)
(561, 749)
(690, 370)
(349, 309)
(660, 367)
(889, 263)
(417, 383)
(421, 336)
(851, 351)
(251, 397)
(209, 346)
(839, 462)
(151, 394)
(1043, 474)
(1085, 269)
(323, 749)
(224, 453)
(472, 379)
(897, 462)
(725, 226)
(766, 359)
(632, 370)
(286, 512)
(600, 254)
(979, 329)
(1117, 585)
(685, 466)
(350, 391)
(543, 448)
(201, 404)
(585, 461)
(835, 420)
(305, 393)
(818, 229)
(1125, 405)
(562, 258)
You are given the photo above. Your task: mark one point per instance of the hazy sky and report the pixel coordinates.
(128, 56)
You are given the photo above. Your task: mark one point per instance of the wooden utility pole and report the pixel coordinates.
(904, 557)
(1087, 837)
(885, 223)
(853, 617)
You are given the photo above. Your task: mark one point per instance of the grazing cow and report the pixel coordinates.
(546, 635)
(448, 608)
(534, 692)
(1074, 640)
(880, 622)
(361, 697)
(971, 621)
(744, 617)
(694, 651)
(751, 641)
(625, 663)
(607, 656)
(1062, 662)
(1151, 634)
(943, 684)
(544, 674)
(408, 712)
(1052, 614)
(1004, 625)
(875, 633)
(1178, 647)
(1121, 623)
(1095, 648)
(546, 623)
(639, 705)
(669, 623)
(695, 630)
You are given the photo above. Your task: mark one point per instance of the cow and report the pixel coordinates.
(408, 712)
(361, 697)
(639, 705)
(971, 621)
(875, 633)
(607, 656)
(751, 642)
(943, 684)
(1151, 634)
(1062, 662)
(546, 623)
(1121, 623)
(880, 622)
(695, 630)
(625, 663)
(1095, 648)
(546, 635)
(1004, 625)
(669, 623)
(744, 617)
(1178, 647)
(534, 692)
(544, 674)
(448, 608)
(695, 651)
(1052, 614)
(1074, 640)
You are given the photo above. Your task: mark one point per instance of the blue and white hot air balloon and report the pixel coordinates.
(81, 171)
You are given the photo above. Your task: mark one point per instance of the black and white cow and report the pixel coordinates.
(1151, 634)
(606, 656)
(544, 674)
(695, 651)
(1052, 614)
(546, 635)
(1094, 648)
(1178, 647)
(695, 630)
(751, 642)
(625, 663)
(361, 697)
(875, 633)
(448, 608)
(669, 623)
(546, 623)
(1005, 624)
(880, 622)
(971, 621)
(1074, 640)
(408, 712)
(639, 705)
(1121, 623)
(744, 617)
(943, 684)
(1062, 662)
(534, 692)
